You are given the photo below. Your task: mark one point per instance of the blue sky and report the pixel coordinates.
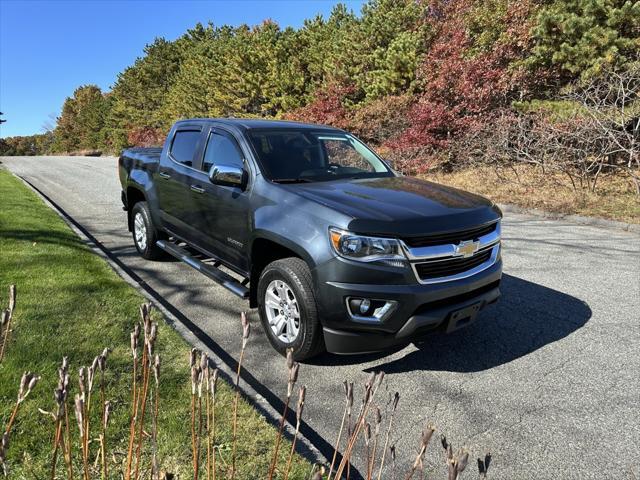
(48, 48)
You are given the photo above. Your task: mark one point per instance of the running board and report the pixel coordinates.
(215, 274)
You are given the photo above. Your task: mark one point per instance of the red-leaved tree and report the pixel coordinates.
(463, 84)
(328, 106)
(146, 137)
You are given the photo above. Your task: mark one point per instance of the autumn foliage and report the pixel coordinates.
(417, 79)
(146, 137)
(462, 88)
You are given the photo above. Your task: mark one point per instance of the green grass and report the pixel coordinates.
(71, 303)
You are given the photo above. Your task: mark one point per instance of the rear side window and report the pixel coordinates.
(221, 149)
(184, 146)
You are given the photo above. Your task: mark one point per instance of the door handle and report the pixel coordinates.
(164, 175)
(197, 189)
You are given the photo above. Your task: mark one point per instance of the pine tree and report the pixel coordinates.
(580, 38)
(82, 122)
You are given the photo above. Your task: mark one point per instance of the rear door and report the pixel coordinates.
(224, 218)
(175, 177)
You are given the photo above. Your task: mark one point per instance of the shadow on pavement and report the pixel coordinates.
(527, 317)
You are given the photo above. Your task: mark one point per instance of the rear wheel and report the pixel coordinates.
(287, 308)
(144, 233)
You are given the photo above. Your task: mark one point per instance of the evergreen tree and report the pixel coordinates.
(579, 38)
(392, 36)
(82, 122)
(140, 91)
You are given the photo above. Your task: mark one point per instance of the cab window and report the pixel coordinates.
(221, 149)
(184, 145)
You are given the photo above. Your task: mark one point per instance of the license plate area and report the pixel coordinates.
(461, 318)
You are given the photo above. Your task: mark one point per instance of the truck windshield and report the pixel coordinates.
(303, 155)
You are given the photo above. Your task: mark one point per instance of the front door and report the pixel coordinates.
(223, 211)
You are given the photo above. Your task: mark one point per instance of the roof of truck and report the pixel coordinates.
(251, 123)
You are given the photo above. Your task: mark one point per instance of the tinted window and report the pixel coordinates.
(184, 146)
(306, 155)
(221, 150)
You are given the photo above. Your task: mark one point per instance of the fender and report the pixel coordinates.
(141, 180)
(285, 242)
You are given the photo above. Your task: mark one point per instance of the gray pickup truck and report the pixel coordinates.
(335, 249)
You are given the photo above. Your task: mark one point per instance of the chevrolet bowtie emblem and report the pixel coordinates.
(467, 248)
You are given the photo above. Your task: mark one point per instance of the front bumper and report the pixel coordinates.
(421, 309)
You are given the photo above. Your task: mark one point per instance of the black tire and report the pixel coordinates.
(147, 248)
(297, 276)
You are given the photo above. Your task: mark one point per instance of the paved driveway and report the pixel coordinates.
(548, 380)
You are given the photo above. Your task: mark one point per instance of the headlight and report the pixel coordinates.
(367, 249)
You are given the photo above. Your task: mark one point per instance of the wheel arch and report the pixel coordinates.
(266, 249)
(134, 195)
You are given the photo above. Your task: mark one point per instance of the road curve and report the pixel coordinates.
(543, 380)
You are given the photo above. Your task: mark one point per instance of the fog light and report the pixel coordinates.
(369, 310)
(364, 305)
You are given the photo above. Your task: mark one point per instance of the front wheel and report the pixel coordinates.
(144, 233)
(287, 308)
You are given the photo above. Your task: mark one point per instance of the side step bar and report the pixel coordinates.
(215, 274)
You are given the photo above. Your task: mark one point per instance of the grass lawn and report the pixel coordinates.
(71, 303)
(614, 198)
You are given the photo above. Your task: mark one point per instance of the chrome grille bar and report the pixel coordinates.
(449, 250)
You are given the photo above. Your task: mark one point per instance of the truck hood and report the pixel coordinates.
(400, 206)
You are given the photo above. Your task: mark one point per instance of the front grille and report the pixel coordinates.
(449, 238)
(452, 266)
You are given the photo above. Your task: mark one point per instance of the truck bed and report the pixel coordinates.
(145, 159)
(143, 155)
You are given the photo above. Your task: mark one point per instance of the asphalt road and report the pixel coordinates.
(547, 380)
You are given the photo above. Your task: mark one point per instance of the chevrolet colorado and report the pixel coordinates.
(335, 249)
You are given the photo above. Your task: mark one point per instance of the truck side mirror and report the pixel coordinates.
(228, 175)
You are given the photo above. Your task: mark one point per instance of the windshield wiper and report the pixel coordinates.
(292, 180)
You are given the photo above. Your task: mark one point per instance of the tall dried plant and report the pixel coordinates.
(456, 462)
(211, 423)
(367, 447)
(348, 393)
(292, 370)
(202, 381)
(150, 330)
(80, 413)
(4, 447)
(195, 378)
(155, 468)
(5, 320)
(425, 438)
(394, 407)
(91, 373)
(101, 364)
(135, 341)
(27, 384)
(370, 389)
(106, 413)
(372, 463)
(204, 387)
(64, 381)
(60, 397)
(318, 474)
(300, 406)
(246, 329)
(4, 326)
